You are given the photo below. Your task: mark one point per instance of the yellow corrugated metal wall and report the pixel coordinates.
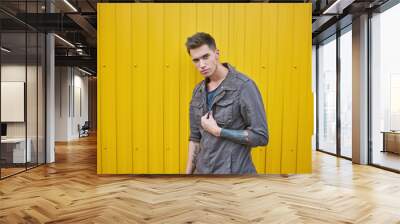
(146, 78)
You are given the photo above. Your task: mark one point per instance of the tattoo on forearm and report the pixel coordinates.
(239, 136)
(195, 154)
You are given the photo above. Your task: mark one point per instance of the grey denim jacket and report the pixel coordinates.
(237, 105)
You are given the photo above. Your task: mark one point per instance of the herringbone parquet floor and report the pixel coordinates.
(69, 191)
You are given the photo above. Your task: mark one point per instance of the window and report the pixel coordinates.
(385, 88)
(327, 96)
(346, 93)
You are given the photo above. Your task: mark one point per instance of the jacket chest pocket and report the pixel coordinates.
(223, 112)
(196, 111)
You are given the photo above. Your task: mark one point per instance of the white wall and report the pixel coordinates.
(71, 94)
(61, 103)
(13, 73)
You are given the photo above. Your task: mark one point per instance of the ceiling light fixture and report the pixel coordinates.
(70, 5)
(332, 9)
(86, 72)
(5, 50)
(64, 40)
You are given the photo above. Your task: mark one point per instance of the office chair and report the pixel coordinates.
(84, 130)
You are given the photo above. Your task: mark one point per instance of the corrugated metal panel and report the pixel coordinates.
(146, 79)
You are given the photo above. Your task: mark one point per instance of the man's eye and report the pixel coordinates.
(195, 60)
(206, 56)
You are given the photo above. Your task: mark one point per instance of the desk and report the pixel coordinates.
(391, 141)
(15, 148)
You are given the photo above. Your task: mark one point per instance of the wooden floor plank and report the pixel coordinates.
(70, 191)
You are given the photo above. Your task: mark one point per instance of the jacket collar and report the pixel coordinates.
(228, 83)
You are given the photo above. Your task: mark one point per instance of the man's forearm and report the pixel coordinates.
(238, 136)
(245, 137)
(194, 149)
(196, 152)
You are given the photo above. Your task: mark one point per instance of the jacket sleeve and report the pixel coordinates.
(253, 112)
(195, 134)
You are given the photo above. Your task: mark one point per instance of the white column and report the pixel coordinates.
(360, 90)
(50, 97)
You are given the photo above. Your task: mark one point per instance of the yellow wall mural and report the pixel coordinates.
(146, 78)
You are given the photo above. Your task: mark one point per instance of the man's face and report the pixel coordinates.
(205, 59)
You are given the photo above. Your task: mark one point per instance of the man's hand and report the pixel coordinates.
(210, 125)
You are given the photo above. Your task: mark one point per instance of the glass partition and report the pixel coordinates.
(14, 153)
(22, 77)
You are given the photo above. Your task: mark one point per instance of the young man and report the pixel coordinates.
(227, 116)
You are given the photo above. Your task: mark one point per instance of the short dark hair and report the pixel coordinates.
(198, 40)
